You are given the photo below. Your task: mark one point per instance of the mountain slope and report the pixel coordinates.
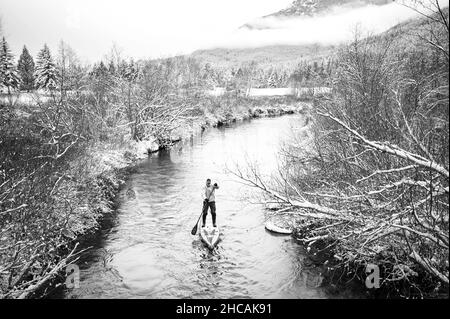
(283, 55)
(276, 55)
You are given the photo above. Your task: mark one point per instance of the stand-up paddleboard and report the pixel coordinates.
(277, 229)
(210, 236)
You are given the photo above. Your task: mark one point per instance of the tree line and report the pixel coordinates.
(47, 73)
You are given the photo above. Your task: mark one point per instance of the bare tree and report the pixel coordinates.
(374, 178)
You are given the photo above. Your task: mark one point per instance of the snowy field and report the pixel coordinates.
(33, 98)
(289, 91)
(217, 91)
(271, 91)
(24, 98)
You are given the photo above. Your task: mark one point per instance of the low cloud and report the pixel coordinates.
(335, 27)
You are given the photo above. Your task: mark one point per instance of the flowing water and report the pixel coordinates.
(146, 249)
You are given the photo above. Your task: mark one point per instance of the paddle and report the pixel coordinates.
(194, 229)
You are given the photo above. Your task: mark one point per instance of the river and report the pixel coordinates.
(146, 250)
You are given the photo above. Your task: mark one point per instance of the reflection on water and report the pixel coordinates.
(147, 251)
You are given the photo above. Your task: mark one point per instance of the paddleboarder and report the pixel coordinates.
(209, 201)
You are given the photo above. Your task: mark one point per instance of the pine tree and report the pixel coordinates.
(26, 70)
(45, 74)
(9, 78)
(272, 79)
(101, 70)
(131, 71)
(112, 68)
(329, 67)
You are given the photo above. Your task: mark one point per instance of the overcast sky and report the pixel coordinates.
(140, 27)
(154, 28)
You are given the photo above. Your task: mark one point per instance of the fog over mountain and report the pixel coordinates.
(307, 29)
(310, 8)
(323, 22)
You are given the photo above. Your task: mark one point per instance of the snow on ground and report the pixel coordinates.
(270, 91)
(24, 98)
(288, 91)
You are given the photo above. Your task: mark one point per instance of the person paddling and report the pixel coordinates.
(209, 201)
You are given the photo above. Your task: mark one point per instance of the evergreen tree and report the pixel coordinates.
(9, 78)
(112, 68)
(46, 74)
(99, 75)
(101, 70)
(322, 72)
(315, 67)
(208, 76)
(272, 78)
(329, 67)
(122, 68)
(99, 81)
(26, 70)
(131, 71)
(308, 73)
